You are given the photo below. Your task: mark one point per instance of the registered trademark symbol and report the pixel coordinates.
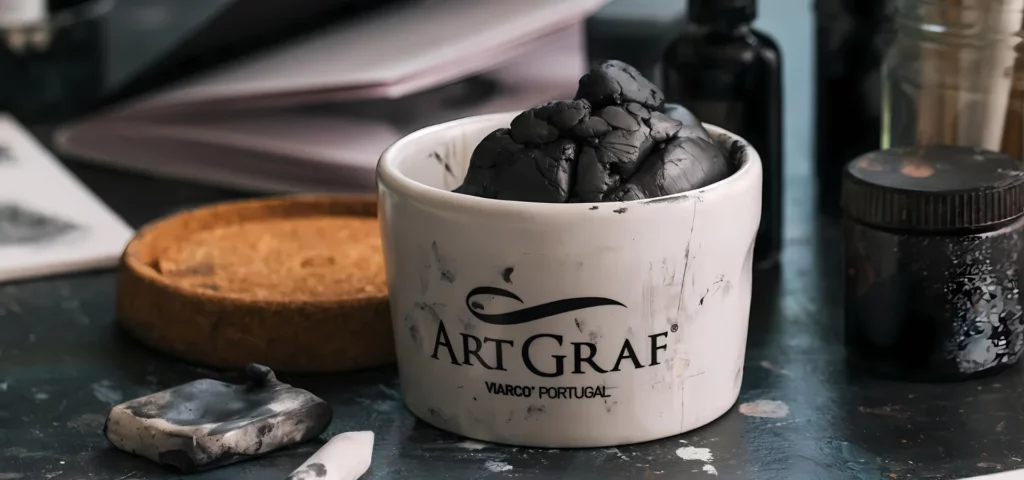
(675, 328)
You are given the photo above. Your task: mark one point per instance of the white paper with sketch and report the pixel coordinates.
(50, 223)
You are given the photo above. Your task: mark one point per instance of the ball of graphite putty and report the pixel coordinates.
(616, 141)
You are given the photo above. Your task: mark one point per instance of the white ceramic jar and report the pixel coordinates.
(564, 325)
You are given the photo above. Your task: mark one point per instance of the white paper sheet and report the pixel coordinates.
(1009, 475)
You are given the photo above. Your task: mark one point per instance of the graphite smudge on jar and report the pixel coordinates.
(933, 239)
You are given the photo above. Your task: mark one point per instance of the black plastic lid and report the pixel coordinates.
(712, 11)
(933, 188)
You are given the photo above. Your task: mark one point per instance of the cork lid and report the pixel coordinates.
(933, 188)
(295, 283)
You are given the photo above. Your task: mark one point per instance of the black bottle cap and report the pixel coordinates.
(713, 11)
(933, 188)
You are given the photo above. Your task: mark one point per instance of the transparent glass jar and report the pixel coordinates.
(948, 78)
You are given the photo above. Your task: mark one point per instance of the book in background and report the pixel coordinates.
(314, 114)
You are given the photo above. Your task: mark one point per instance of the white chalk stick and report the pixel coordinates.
(344, 457)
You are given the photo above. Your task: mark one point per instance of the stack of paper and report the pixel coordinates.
(314, 115)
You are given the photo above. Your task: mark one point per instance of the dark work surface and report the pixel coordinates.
(64, 363)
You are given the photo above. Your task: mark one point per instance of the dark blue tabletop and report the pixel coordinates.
(64, 363)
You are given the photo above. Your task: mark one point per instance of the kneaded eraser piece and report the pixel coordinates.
(207, 423)
(345, 457)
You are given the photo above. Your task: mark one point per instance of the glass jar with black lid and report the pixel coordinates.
(933, 240)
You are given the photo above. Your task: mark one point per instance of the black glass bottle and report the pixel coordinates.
(851, 38)
(730, 75)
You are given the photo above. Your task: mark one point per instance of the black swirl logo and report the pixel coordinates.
(529, 314)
